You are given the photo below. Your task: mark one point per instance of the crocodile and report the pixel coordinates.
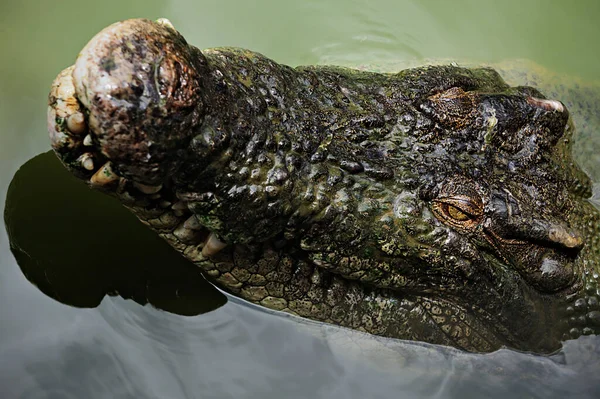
(436, 204)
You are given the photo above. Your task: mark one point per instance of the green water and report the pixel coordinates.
(122, 349)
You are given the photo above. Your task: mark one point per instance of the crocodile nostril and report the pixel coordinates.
(547, 233)
(568, 239)
(556, 235)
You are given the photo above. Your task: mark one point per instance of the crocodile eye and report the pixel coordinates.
(456, 213)
(460, 212)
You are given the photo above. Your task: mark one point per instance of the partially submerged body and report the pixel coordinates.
(435, 204)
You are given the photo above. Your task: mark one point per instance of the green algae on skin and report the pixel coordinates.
(434, 204)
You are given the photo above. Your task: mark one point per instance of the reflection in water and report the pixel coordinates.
(77, 246)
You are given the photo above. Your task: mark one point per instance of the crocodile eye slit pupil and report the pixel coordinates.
(456, 213)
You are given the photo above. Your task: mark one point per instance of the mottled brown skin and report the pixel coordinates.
(434, 204)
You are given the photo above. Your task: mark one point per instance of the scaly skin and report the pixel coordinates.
(434, 204)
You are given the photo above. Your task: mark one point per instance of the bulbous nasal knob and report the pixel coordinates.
(142, 87)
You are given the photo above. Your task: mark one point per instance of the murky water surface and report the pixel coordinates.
(88, 312)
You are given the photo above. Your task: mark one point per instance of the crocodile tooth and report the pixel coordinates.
(212, 246)
(87, 141)
(164, 204)
(104, 175)
(126, 197)
(147, 189)
(76, 123)
(180, 206)
(86, 161)
(192, 223)
(187, 236)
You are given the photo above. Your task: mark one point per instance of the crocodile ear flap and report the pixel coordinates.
(424, 82)
(453, 109)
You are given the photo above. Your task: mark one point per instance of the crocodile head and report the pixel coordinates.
(434, 204)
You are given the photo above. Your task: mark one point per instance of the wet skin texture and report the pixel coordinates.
(434, 204)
